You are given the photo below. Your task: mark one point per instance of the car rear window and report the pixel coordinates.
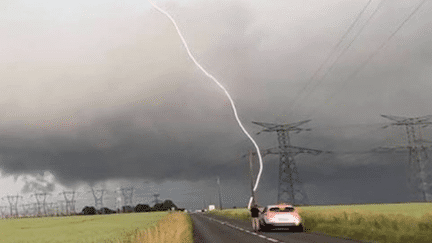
(286, 209)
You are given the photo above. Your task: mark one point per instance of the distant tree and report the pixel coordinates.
(89, 210)
(157, 207)
(105, 211)
(142, 208)
(110, 211)
(168, 205)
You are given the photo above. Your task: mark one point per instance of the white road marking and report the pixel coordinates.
(245, 230)
(270, 239)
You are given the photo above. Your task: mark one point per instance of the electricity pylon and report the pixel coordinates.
(2, 210)
(127, 194)
(70, 203)
(118, 204)
(156, 200)
(13, 205)
(419, 174)
(98, 200)
(289, 187)
(39, 196)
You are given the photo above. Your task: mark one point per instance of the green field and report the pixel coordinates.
(416, 210)
(90, 228)
(392, 223)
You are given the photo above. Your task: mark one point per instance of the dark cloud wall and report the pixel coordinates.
(136, 108)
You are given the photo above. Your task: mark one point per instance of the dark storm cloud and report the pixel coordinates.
(119, 146)
(145, 112)
(117, 137)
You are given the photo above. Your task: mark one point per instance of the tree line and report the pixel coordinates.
(167, 205)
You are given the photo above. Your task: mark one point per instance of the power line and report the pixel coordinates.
(345, 49)
(335, 48)
(351, 77)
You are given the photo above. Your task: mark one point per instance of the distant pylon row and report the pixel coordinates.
(41, 207)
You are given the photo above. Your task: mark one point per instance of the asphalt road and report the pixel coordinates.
(210, 228)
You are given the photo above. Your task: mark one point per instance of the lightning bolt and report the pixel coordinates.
(226, 92)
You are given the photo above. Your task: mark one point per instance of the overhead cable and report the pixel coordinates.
(354, 74)
(345, 49)
(335, 48)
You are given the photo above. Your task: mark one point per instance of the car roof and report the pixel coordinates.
(279, 206)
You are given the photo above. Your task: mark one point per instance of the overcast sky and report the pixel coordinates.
(103, 93)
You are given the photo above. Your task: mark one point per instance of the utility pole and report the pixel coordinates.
(289, 186)
(220, 197)
(419, 175)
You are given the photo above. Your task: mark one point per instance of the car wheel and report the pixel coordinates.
(299, 228)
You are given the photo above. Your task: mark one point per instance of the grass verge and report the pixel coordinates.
(173, 228)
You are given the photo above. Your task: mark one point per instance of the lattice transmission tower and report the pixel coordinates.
(40, 204)
(13, 204)
(419, 173)
(98, 199)
(290, 189)
(127, 195)
(70, 203)
(118, 204)
(156, 200)
(3, 210)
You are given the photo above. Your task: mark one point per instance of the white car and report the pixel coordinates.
(280, 216)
